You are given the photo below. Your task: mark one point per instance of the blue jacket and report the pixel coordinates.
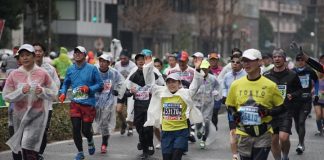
(76, 77)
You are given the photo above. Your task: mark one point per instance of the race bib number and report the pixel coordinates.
(78, 95)
(187, 76)
(107, 86)
(283, 90)
(304, 80)
(142, 94)
(250, 115)
(172, 111)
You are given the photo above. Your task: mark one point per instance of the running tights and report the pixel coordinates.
(300, 116)
(78, 126)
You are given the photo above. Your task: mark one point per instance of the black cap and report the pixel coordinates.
(299, 56)
(266, 55)
(138, 56)
(124, 52)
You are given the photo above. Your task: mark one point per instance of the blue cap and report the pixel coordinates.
(146, 52)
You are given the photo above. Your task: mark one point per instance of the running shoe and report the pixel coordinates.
(144, 156)
(123, 128)
(103, 149)
(91, 148)
(79, 156)
(199, 135)
(235, 157)
(318, 133)
(139, 146)
(300, 149)
(158, 146)
(150, 150)
(192, 137)
(202, 145)
(130, 132)
(40, 157)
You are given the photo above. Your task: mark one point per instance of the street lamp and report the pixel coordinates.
(312, 34)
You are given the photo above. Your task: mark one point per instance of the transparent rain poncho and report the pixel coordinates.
(106, 101)
(30, 111)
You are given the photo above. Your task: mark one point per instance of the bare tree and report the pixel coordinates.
(145, 17)
(229, 18)
(208, 21)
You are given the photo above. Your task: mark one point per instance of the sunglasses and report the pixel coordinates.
(299, 60)
(236, 62)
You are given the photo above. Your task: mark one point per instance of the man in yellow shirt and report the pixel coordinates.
(252, 100)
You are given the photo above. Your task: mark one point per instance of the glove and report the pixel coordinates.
(237, 117)
(263, 112)
(295, 48)
(84, 89)
(114, 92)
(315, 99)
(61, 98)
(223, 100)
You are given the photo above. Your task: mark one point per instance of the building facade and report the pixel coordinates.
(284, 16)
(83, 22)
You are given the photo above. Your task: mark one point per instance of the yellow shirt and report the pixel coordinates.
(173, 113)
(263, 91)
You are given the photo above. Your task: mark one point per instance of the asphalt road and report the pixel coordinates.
(124, 148)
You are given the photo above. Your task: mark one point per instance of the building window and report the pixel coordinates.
(77, 11)
(99, 13)
(67, 9)
(94, 16)
(89, 11)
(313, 2)
(84, 10)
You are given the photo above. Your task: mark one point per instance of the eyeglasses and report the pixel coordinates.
(236, 62)
(78, 53)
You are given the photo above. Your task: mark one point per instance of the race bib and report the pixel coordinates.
(142, 93)
(78, 95)
(187, 76)
(304, 80)
(172, 111)
(283, 90)
(250, 115)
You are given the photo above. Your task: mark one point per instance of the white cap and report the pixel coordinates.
(81, 49)
(198, 54)
(27, 47)
(252, 54)
(174, 76)
(106, 57)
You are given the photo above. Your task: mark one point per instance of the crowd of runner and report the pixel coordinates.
(177, 101)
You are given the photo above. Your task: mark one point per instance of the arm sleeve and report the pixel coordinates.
(314, 64)
(225, 87)
(316, 83)
(196, 82)
(66, 83)
(120, 85)
(277, 110)
(297, 87)
(98, 82)
(10, 92)
(49, 89)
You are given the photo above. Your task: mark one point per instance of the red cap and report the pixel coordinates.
(183, 56)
